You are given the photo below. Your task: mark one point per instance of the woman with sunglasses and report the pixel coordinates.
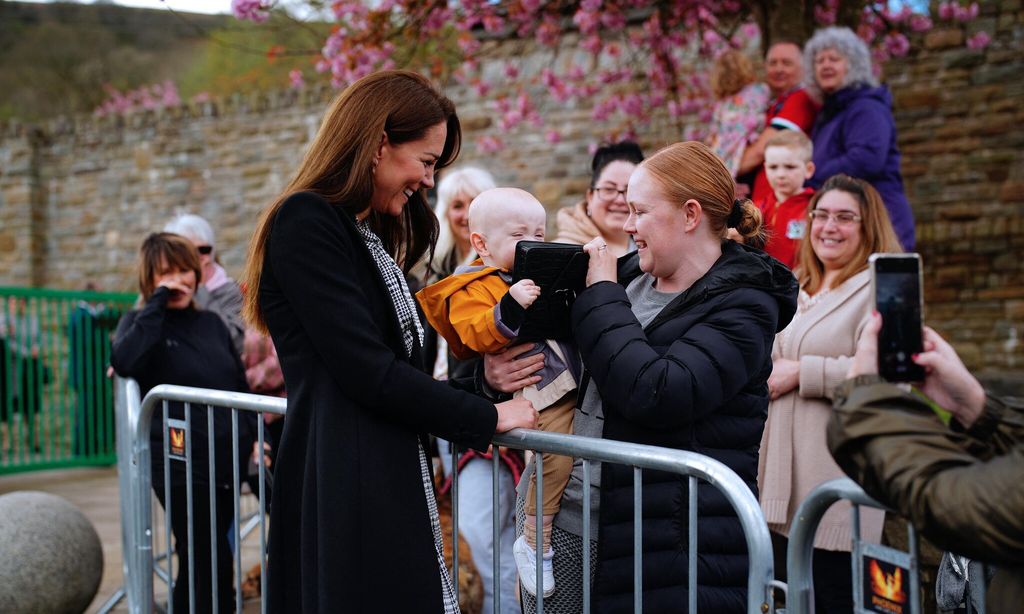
(216, 292)
(848, 222)
(603, 211)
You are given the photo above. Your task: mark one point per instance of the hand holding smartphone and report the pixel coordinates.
(896, 287)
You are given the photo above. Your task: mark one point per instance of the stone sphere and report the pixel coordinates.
(51, 559)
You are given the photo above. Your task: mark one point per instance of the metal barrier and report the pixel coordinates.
(884, 565)
(760, 577)
(141, 562)
(56, 403)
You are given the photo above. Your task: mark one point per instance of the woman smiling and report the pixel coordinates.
(353, 494)
(848, 222)
(676, 341)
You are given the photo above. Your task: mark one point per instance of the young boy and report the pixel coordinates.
(479, 311)
(787, 164)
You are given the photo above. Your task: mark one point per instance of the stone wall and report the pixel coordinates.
(77, 196)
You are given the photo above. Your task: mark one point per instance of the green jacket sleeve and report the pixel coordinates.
(963, 492)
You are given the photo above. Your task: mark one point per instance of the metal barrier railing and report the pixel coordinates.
(760, 576)
(56, 403)
(877, 571)
(140, 563)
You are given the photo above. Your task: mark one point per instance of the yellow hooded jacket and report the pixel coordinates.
(465, 309)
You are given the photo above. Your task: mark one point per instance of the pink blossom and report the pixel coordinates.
(489, 144)
(919, 23)
(549, 32)
(825, 13)
(436, 19)
(146, 97)
(250, 10)
(897, 44)
(613, 20)
(586, 21)
(552, 136)
(482, 88)
(511, 70)
(576, 73)
(979, 40)
(468, 44)
(592, 44)
(493, 24)
(295, 77)
(946, 10)
(202, 97)
(633, 105)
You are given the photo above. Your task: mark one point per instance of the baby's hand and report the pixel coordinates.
(525, 292)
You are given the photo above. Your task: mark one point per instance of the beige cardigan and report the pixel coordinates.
(794, 457)
(575, 226)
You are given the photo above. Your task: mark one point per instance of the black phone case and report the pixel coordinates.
(560, 269)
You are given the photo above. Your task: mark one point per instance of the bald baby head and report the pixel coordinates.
(501, 217)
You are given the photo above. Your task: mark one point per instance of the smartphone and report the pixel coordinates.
(896, 286)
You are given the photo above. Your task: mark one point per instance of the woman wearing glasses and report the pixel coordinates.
(603, 211)
(848, 222)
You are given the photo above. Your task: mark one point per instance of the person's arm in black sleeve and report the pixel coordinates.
(138, 333)
(313, 257)
(702, 370)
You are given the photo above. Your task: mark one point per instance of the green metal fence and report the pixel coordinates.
(56, 401)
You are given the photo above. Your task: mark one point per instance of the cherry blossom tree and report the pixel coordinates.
(626, 60)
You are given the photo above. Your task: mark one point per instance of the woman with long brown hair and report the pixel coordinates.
(847, 223)
(354, 509)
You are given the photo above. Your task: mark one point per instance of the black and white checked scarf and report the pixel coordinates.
(412, 331)
(405, 308)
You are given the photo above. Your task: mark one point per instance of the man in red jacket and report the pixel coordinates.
(790, 108)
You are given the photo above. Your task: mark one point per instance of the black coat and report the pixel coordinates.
(188, 347)
(350, 530)
(694, 379)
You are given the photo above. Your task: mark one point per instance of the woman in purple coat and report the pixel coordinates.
(855, 132)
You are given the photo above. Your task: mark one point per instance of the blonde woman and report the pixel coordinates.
(847, 222)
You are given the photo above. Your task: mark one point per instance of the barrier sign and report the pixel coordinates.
(176, 431)
(886, 586)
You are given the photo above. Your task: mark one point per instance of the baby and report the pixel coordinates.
(478, 310)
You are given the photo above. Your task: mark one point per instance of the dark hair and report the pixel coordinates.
(877, 234)
(165, 247)
(626, 151)
(339, 166)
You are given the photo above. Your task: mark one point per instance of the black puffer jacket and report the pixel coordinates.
(694, 379)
